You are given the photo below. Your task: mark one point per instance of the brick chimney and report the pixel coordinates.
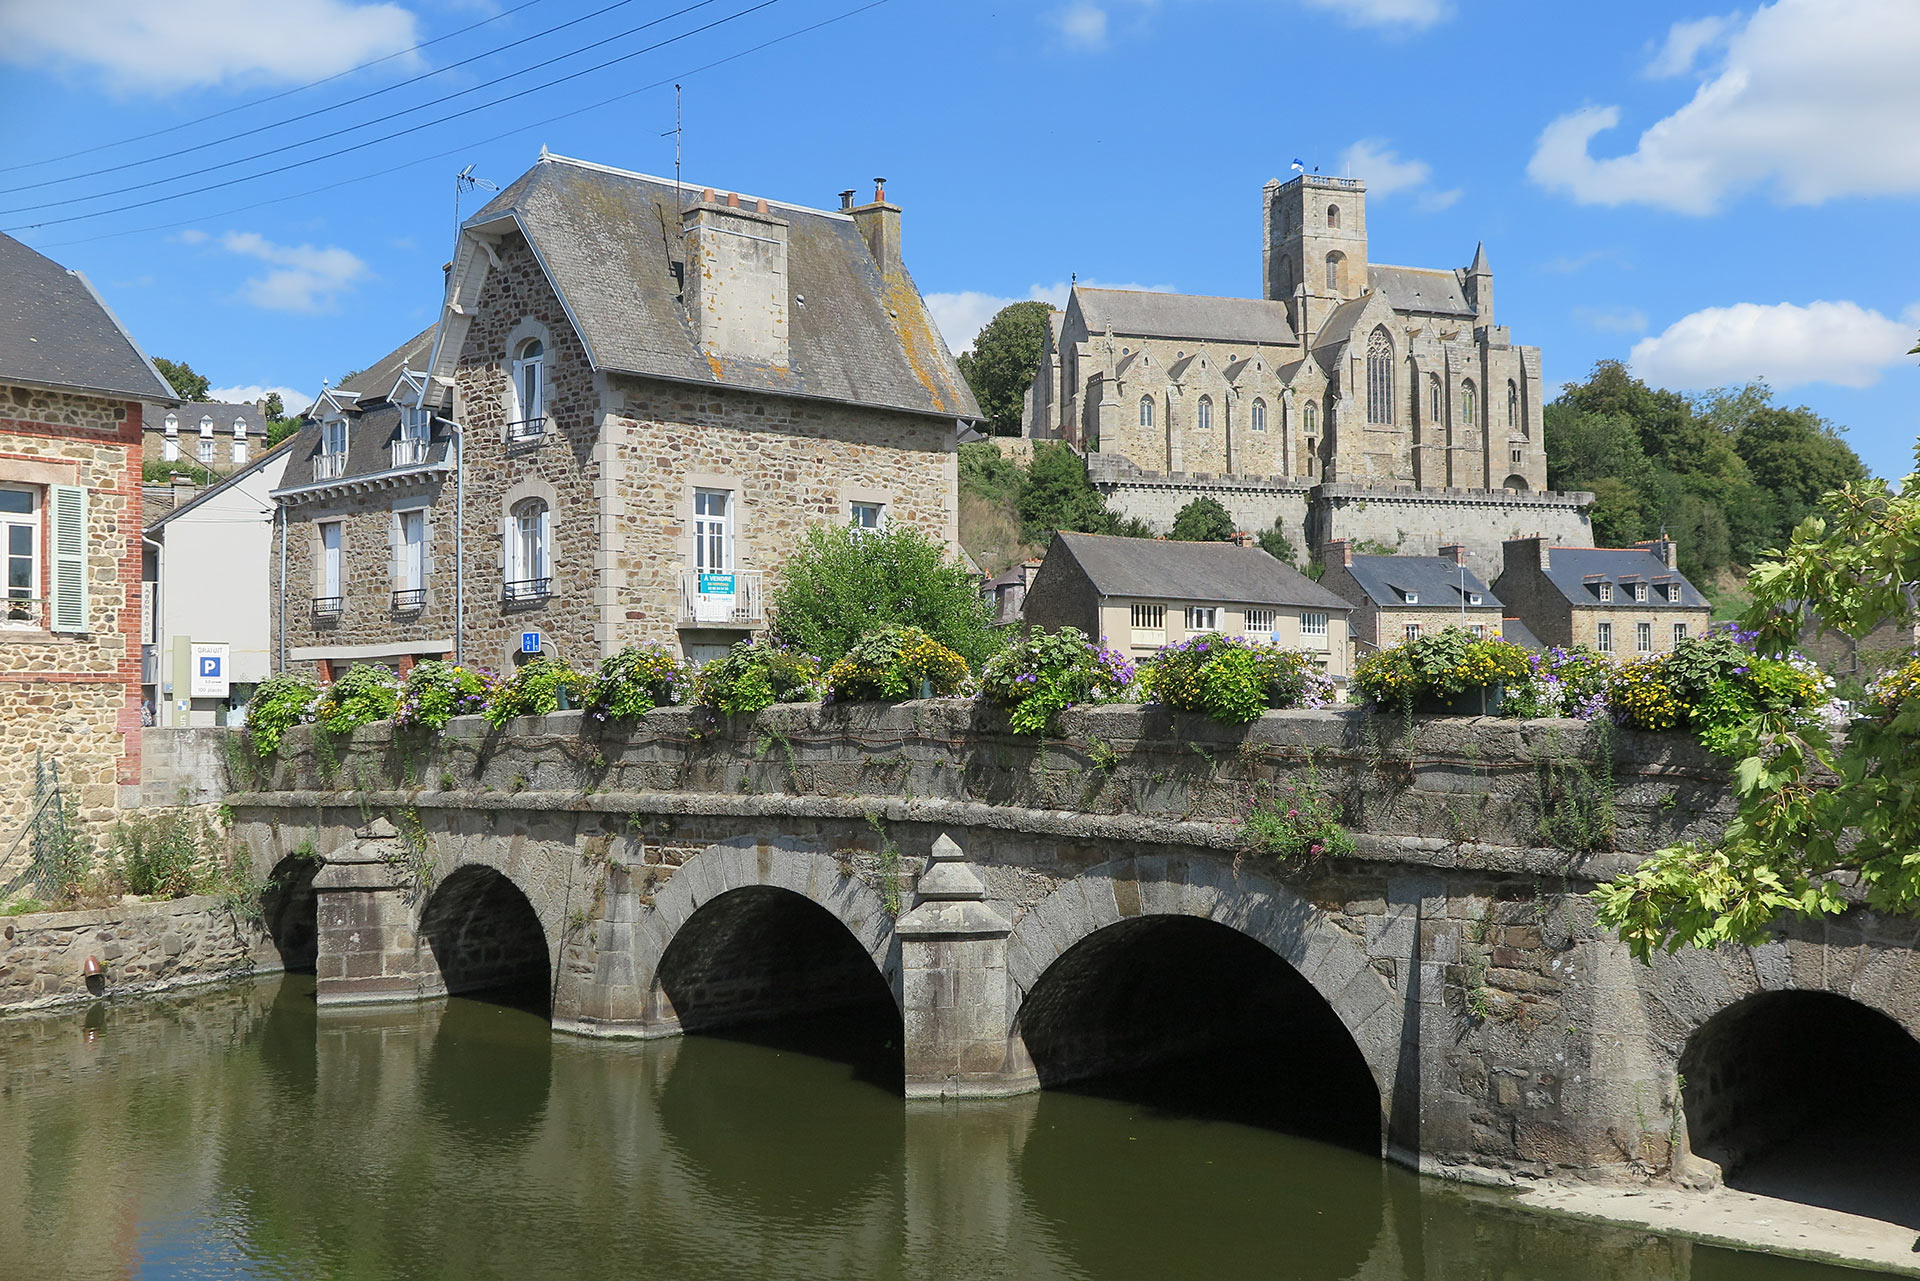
(1454, 552)
(1241, 538)
(879, 223)
(736, 279)
(1336, 552)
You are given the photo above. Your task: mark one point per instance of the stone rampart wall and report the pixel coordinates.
(141, 947)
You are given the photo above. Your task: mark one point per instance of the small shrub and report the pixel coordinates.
(1439, 666)
(435, 692)
(757, 674)
(280, 703)
(160, 853)
(893, 664)
(367, 693)
(1299, 824)
(540, 685)
(1044, 673)
(1715, 684)
(1561, 682)
(1896, 693)
(1234, 680)
(636, 680)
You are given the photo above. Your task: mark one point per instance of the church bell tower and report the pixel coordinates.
(1316, 246)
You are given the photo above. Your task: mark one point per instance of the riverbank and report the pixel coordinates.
(141, 948)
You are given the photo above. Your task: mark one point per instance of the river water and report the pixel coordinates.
(240, 1132)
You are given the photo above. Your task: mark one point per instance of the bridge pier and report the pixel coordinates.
(367, 950)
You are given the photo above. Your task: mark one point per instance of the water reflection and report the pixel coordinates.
(196, 1138)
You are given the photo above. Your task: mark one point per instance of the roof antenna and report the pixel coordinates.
(462, 181)
(676, 132)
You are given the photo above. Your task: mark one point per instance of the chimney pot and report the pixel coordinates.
(733, 200)
(707, 196)
(846, 198)
(1455, 552)
(879, 191)
(760, 206)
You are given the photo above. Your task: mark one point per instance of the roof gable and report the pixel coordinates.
(55, 331)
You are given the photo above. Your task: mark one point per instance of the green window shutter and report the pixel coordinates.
(69, 595)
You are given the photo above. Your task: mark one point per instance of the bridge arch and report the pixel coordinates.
(484, 934)
(1195, 907)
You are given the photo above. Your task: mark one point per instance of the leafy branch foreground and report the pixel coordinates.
(1823, 820)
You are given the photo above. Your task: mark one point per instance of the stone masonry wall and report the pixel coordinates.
(142, 947)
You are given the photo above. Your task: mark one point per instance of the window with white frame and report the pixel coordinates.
(1412, 632)
(529, 539)
(713, 531)
(1474, 598)
(1643, 637)
(416, 430)
(1257, 416)
(20, 547)
(170, 446)
(1149, 618)
(239, 441)
(1606, 592)
(1313, 623)
(1262, 620)
(332, 462)
(410, 552)
(1411, 597)
(328, 585)
(1146, 411)
(1604, 638)
(1673, 593)
(1203, 618)
(868, 518)
(1639, 591)
(1679, 632)
(530, 387)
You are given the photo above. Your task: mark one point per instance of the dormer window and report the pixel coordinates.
(239, 441)
(170, 447)
(1673, 593)
(332, 462)
(410, 446)
(1473, 598)
(1639, 591)
(1412, 598)
(1606, 593)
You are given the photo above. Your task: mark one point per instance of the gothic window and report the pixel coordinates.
(1380, 378)
(1146, 411)
(1436, 402)
(1257, 416)
(1334, 262)
(1312, 418)
(1466, 402)
(1203, 416)
(1513, 405)
(1333, 216)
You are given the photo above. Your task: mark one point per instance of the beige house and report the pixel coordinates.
(1624, 601)
(638, 396)
(1401, 598)
(1139, 594)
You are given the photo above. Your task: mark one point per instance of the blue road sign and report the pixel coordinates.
(210, 666)
(529, 642)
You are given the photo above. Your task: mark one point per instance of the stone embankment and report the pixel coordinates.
(141, 947)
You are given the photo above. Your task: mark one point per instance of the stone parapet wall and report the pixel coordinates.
(141, 947)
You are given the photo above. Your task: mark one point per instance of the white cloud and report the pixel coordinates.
(1612, 320)
(962, 315)
(1686, 41)
(290, 400)
(175, 46)
(192, 236)
(1385, 173)
(1084, 25)
(304, 278)
(1785, 343)
(1815, 96)
(1387, 13)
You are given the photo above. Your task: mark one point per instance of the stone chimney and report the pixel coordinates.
(1336, 552)
(1241, 538)
(1664, 550)
(879, 223)
(1524, 553)
(1454, 552)
(736, 279)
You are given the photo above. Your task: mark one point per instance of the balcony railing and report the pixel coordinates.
(523, 591)
(407, 600)
(329, 466)
(527, 431)
(24, 612)
(731, 599)
(409, 451)
(328, 606)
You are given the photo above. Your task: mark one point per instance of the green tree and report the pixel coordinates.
(280, 424)
(1057, 495)
(186, 384)
(841, 583)
(1004, 359)
(987, 472)
(1275, 543)
(1204, 520)
(1799, 456)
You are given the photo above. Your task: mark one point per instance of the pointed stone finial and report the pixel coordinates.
(945, 849)
(952, 897)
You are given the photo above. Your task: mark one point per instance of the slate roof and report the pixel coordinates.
(375, 381)
(1577, 572)
(267, 458)
(1435, 580)
(607, 238)
(1164, 569)
(222, 412)
(55, 331)
(1519, 633)
(1424, 289)
(372, 424)
(1196, 316)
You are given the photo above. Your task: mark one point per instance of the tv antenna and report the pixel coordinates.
(463, 182)
(676, 131)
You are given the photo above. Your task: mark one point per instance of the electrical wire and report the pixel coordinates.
(364, 124)
(272, 97)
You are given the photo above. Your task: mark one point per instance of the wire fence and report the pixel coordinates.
(55, 859)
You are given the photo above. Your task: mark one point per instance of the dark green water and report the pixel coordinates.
(240, 1132)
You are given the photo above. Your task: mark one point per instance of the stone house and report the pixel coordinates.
(214, 434)
(1624, 601)
(1399, 598)
(1139, 594)
(73, 384)
(1006, 592)
(655, 390)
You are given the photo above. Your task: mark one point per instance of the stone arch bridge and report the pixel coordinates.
(1036, 913)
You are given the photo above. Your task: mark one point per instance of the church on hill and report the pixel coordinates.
(1353, 400)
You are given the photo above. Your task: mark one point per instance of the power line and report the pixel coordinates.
(479, 142)
(377, 120)
(272, 97)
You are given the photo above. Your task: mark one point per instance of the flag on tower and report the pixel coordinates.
(1297, 166)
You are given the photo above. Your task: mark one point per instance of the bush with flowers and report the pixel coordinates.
(1715, 684)
(278, 704)
(1440, 667)
(539, 686)
(756, 674)
(1893, 697)
(1233, 679)
(896, 663)
(1298, 823)
(1044, 673)
(435, 692)
(636, 680)
(1561, 682)
(367, 693)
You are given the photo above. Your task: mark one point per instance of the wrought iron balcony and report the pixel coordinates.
(328, 606)
(524, 591)
(730, 599)
(527, 431)
(329, 466)
(407, 600)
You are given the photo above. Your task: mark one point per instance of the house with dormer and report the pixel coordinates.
(1402, 598)
(1624, 601)
(637, 396)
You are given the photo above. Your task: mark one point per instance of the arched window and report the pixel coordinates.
(1513, 405)
(529, 566)
(1257, 416)
(1333, 216)
(1466, 403)
(1436, 402)
(1146, 411)
(1380, 377)
(530, 385)
(1203, 416)
(1313, 457)
(1334, 262)
(1312, 418)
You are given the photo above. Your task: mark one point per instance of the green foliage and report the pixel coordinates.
(1821, 819)
(367, 693)
(161, 853)
(841, 583)
(1044, 673)
(1233, 680)
(1440, 665)
(1298, 824)
(280, 424)
(539, 686)
(155, 472)
(1203, 520)
(757, 674)
(186, 384)
(985, 471)
(1275, 543)
(1058, 496)
(896, 663)
(279, 703)
(1715, 684)
(436, 691)
(1005, 356)
(636, 680)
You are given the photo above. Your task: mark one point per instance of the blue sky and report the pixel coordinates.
(1715, 194)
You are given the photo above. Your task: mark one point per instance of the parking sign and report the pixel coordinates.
(210, 671)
